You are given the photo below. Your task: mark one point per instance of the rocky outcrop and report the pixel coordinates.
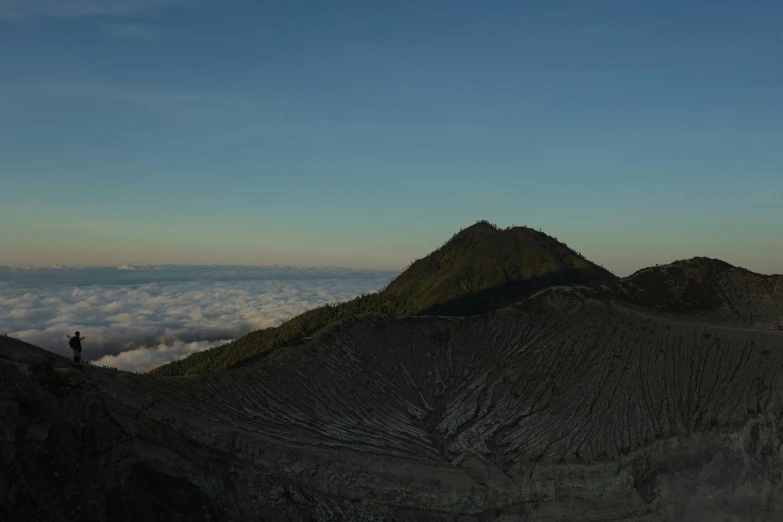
(560, 408)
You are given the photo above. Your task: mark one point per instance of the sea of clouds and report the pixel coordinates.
(138, 318)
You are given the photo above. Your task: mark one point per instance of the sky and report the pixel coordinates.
(364, 134)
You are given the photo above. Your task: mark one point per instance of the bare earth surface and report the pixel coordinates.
(568, 406)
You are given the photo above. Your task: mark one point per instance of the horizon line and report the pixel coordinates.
(130, 266)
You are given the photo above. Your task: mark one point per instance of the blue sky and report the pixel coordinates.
(364, 134)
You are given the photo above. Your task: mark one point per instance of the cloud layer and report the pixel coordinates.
(145, 358)
(137, 318)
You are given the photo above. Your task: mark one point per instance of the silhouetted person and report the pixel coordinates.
(75, 343)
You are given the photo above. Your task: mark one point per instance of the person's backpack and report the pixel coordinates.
(72, 342)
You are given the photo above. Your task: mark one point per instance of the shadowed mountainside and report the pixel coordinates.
(566, 406)
(482, 268)
(699, 288)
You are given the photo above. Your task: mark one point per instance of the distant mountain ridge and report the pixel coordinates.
(484, 268)
(700, 288)
(480, 269)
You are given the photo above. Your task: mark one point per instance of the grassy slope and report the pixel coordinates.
(482, 268)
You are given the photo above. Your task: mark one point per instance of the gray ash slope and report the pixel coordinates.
(575, 404)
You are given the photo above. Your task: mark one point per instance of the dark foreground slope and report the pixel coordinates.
(482, 268)
(563, 407)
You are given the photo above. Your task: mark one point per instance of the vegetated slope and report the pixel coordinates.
(700, 288)
(562, 407)
(482, 268)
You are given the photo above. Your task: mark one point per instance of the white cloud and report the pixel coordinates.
(15, 9)
(177, 310)
(145, 358)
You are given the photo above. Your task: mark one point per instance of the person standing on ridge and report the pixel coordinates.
(75, 343)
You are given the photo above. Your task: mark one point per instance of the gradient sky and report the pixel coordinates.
(365, 133)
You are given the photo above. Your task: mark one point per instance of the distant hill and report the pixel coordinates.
(480, 269)
(701, 287)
